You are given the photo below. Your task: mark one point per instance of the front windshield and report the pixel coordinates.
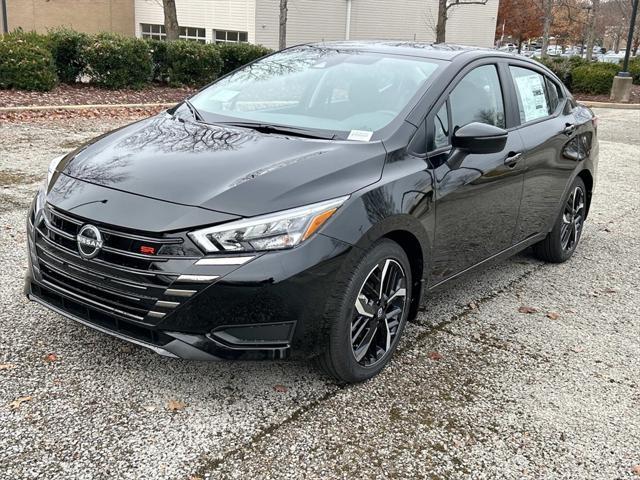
(318, 88)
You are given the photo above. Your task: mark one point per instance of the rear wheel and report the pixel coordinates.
(561, 242)
(369, 314)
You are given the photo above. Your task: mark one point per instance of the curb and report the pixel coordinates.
(84, 107)
(621, 106)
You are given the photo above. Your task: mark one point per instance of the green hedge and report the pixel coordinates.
(192, 63)
(634, 70)
(115, 61)
(67, 47)
(595, 78)
(563, 67)
(235, 55)
(34, 61)
(26, 65)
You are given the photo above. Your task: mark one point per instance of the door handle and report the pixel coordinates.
(512, 159)
(569, 128)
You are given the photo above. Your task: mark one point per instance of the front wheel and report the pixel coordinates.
(369, 313)
(561, 242)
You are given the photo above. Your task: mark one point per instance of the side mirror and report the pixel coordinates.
(478, 137)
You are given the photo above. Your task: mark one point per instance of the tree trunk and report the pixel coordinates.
(441, 26)
(591, 26)
(282, 42)
(171, 27)
(546, 25)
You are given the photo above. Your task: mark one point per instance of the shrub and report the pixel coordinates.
(114, 61)
(235, 55)
(634, 70)
(594, 78)
(192, 63)
(563, 67)
(25, 65)
(67, 49)
(158, 49)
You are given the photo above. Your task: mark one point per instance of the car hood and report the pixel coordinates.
(231, 170)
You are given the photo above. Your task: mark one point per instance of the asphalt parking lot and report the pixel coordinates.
(477, 389)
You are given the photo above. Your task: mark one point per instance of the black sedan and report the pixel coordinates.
(307, 202)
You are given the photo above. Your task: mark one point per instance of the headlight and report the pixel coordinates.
(52, 169)
(274, 231)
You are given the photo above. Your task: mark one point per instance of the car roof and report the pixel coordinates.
(441, 51)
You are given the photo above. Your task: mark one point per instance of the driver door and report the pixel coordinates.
(477, 203)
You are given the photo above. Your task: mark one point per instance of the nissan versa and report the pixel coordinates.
(305, 203)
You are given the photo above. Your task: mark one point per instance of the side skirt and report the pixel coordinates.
(509, 252)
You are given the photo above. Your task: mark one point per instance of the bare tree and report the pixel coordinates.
(171, 27)
(443, 15)
(591, 27)
(547, 18)
(282, 42)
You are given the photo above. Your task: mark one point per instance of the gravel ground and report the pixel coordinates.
(477, 389)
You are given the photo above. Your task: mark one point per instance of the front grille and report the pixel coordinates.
(98, 317)
(119, 281)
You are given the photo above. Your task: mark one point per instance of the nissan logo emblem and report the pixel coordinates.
(89, 241)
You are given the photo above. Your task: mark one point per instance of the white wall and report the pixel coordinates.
(236, 15)
(318, 20)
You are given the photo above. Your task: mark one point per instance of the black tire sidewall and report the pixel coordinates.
(556, 241)
(343, 362)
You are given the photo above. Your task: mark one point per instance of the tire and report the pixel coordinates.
(345, 359)
(559, 245)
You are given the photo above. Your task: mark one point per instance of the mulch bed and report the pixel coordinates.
(85, 113)
(635, 96)
(81, 94)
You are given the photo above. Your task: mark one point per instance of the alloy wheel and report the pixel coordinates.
(378, 312)
(572, 219)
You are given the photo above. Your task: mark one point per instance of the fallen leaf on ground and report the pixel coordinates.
(280, 388)
(435, 356)
(473, 305)
(636, 470)
(6, 366)
(553, 315)
(175, 405)
(19, 401)
(527, 309)
(194, 477)
(50, 358)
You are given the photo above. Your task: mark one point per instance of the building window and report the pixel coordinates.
(192, 33)
(227, 36)
(154, 32)
(157, 32)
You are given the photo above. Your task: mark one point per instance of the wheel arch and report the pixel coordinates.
(587, 178)
(412, 247)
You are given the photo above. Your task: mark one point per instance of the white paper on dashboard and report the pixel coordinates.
(360, 135)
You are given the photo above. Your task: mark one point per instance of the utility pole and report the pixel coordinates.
(621, 88)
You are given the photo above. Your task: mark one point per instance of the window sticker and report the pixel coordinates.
(360, 135)
(534, 102)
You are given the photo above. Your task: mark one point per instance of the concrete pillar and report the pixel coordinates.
(621, 89)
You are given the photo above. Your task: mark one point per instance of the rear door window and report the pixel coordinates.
(534, 101)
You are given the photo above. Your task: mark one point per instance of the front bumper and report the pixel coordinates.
(266, 308)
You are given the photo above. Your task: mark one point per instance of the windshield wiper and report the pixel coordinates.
(268, 128)
(194, 111)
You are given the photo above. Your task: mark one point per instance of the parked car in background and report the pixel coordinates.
(307, 202)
